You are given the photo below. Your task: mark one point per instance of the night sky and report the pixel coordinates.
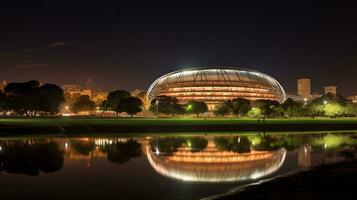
(127, 45)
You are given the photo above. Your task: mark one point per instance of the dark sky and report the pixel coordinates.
(129, 44)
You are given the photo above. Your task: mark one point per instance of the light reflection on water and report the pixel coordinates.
(161, 167)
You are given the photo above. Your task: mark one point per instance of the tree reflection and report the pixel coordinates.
(239, 144)
(166, 145)
(196, 144)
(83, 147)
(123, 152)
(30, 157)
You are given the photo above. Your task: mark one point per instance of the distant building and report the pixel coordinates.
(2, 85)
(75, 91)
(353, 98)
(99, 97)
(331, 89)
(304, 87)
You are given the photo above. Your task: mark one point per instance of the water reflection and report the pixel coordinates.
(220, 160)
(30, 157)
(212, 158)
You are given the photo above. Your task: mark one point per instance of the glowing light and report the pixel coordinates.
(157, 152)
(66, 145)
(0, 148)
(66, 107)
(325, 102)
(189, 107)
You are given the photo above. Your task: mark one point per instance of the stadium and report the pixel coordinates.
(216, 85)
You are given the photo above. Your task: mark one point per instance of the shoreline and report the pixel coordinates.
(330, 181)
(14, 126)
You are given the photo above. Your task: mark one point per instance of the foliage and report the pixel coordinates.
(240, 106)
(83, 104)
(30, 157)
(122, 152)
(83, 147)
(166, 105)
(222, 109)
(239, 144)
(166, 145)
(292, 108)
(29, 98)
(269, 143)
(196, 107)
(130, 105)
(333, 109)
(269, 108)
(254, 112)
(196, 143)
(114, 98)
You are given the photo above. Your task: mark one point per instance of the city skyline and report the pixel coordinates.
(128, 45)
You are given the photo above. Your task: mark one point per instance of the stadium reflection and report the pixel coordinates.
(213, 162)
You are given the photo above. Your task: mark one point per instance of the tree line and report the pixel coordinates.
(327, 105)
(31, 99)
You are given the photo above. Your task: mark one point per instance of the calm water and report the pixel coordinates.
(158, 167)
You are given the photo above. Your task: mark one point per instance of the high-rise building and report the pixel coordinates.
(304, 87)
(331, 89)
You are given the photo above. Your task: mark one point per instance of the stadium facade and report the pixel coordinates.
(216, 85)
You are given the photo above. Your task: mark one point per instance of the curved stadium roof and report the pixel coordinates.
(216, 84)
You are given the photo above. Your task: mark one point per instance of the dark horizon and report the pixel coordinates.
(128, 45)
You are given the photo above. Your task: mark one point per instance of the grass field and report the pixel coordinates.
(91, 124)
(67, 121)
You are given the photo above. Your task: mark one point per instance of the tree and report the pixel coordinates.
(269, 108)
(122, 152)
(292, 108)
(254, 112)
(328, 104)
(239, 144)
(115, 96)
(83, 104)
(28, 98)
(50, 97)
(30, 157)
(104, 105)
(131, 105)
(166, 105)
(3, 103)
(196, 143)
(196, 107)
(223, 109)
(240, 106)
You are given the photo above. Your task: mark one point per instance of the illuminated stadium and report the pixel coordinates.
(216, 85)
(213, 165)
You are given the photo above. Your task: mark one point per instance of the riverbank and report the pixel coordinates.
(333, 181)
(145, 125)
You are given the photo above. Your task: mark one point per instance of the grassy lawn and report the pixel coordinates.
(88, 121)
